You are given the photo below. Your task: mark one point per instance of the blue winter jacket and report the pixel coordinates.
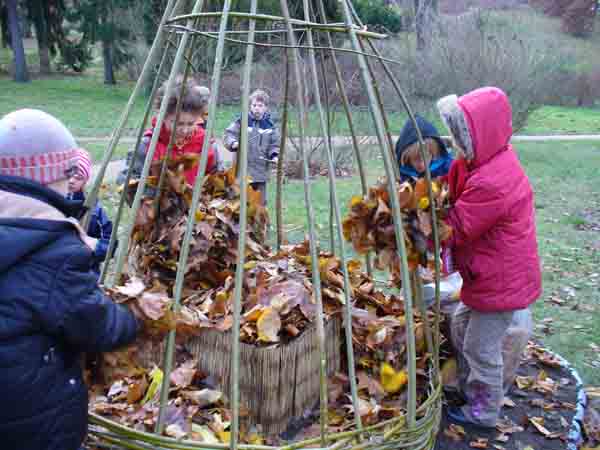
(438, 167)
(100, 228)
(51, 311)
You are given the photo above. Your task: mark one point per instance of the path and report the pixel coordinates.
(115, 166)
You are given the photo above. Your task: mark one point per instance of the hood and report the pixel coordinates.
(408, 136)
(480, 122)
(265, 122)
(31, 218)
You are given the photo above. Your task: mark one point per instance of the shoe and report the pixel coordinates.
(457, 415)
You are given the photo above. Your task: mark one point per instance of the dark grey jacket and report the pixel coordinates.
(263, 145)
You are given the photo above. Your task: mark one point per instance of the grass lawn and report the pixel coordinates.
(561, 120)
(566, 180)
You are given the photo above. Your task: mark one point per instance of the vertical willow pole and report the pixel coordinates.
(282, 155)
(316, 276)
(170, 346)
(152, 146)
(436, 233)
(114, 140)
(346, 104)
(150, 105)
(338, 222)
(397, 214)
(239, 270)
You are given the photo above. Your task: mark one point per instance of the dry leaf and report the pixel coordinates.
(268, 325)
(455, 432)
(479, 443)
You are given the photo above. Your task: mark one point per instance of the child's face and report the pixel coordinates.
(417, 162)
(258, 109)
(186, 124)
(76, 180)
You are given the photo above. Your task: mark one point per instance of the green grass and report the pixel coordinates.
(566, 180)
(563, 120)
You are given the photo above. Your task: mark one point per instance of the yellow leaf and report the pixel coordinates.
(356, 200)
(424, 203)
(392, 381)
(156, 378)
(449, 372)
(268, 325)
(224, 436)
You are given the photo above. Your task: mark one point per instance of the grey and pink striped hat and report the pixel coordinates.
(36, 145)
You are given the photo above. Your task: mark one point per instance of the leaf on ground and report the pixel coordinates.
(203, 397)
(479, 443)
(184, 375)
(455, 432)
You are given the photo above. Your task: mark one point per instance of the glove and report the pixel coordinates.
(274, 160)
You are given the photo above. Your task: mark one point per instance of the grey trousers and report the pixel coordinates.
(480, 365)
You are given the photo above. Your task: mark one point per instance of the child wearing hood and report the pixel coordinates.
(51, 308)
(408, 153)
(493, 243)
(263, 141)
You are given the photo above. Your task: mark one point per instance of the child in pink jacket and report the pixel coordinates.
(494, 244)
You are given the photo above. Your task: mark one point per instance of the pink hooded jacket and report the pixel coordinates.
(493, 218)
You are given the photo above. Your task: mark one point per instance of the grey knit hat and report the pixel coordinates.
(35, 145)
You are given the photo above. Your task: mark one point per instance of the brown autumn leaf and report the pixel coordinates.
(455, 432)
(136, 390)
(538, 423)
(203, 397)
(184, 375)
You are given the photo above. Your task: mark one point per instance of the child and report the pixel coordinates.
(409, 155)
(100, 226)
(494, 245)
(189, 137)
(51, 309)
(263, 141)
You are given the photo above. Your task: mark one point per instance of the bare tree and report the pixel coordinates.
(426, 18)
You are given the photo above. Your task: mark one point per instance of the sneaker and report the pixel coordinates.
(457, 415)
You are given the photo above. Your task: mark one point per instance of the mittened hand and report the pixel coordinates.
(274, 160)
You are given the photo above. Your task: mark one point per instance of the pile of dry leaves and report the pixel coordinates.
(370, 225)
(278, 305)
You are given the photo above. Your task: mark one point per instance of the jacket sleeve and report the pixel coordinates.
(273, 150)
(232, 135)
(80, 313)
(477, 209)
(104, 230)
(138, 156)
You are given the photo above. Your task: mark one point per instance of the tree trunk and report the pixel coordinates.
(21, 72)
(109, 73)
(36, 9)
(425, 18)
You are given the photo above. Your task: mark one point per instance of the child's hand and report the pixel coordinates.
(235, 145)
(275, 160)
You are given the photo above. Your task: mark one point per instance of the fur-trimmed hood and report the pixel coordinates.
(480, 122)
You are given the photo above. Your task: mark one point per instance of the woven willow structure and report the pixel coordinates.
(179, 31)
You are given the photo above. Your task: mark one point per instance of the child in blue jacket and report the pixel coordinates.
(51, 308)
(408, 154)
(100, 226)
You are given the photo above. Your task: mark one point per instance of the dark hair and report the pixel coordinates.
(194, 99)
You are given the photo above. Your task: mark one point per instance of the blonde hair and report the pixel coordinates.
(260, 96)
(432, 151)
